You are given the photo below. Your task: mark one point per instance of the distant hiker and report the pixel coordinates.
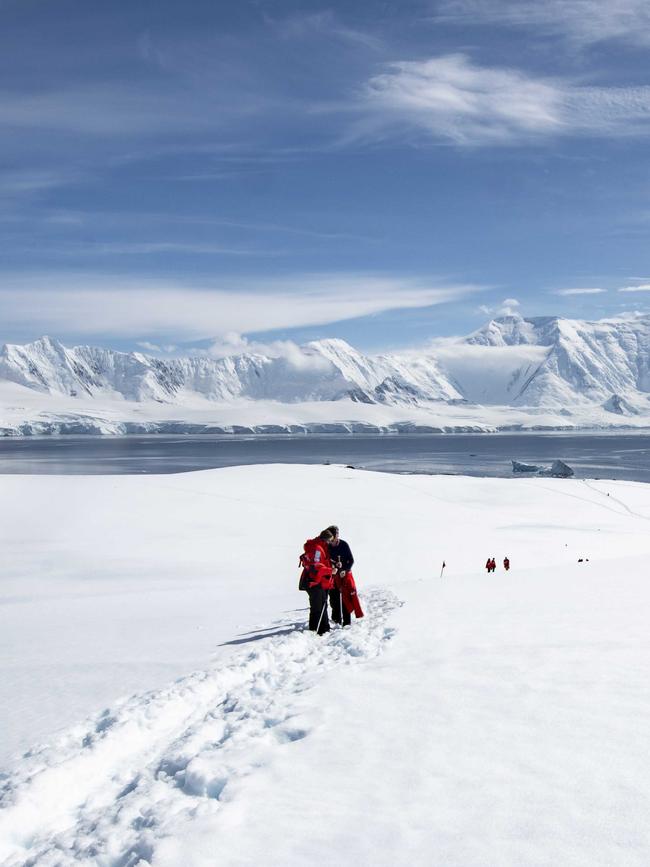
(490, 565)
(506, 563)
(494, 565)
(316, 579)
(343, 597)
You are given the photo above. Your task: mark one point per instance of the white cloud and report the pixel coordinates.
(642, 287)
(509, 303)
(581, 21)
(298, 357)
(451, 98)
(167, 349)
(230, 343)
(489, 372)
(579, 291)
(150, 308)
(507, 307)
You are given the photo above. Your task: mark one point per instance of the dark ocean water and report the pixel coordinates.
(595, 455)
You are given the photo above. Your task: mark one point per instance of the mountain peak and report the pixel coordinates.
(336, 344)
(509, 330)
(512, 360)
(45, 344)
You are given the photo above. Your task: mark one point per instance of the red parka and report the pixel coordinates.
(348, 591)
(316, 563)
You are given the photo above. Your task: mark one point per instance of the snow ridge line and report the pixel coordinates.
(106, 791)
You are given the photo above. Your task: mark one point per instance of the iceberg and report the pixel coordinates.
(558, 469)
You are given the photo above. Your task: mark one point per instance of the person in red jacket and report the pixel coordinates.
(506, 563)
(488, 565)
(316, 579)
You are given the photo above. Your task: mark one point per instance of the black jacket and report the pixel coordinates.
(342, 551)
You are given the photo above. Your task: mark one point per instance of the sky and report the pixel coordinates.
(212, 176)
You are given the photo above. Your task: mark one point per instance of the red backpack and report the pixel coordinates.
(310, 560)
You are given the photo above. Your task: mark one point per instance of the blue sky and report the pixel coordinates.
(217, 175)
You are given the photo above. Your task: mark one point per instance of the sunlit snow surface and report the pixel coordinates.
(467, 720)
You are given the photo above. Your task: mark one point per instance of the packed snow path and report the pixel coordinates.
(107, 792)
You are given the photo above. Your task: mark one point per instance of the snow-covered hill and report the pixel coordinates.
(580, 372)
(171, 709)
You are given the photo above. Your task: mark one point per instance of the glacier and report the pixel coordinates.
(514, 373)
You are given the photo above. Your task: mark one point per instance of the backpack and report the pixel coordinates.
(308, 561)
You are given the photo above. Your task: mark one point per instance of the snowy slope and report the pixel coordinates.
(465, 721)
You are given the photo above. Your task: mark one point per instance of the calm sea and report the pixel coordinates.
(601, 455)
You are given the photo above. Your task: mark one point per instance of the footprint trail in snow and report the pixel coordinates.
(107, 790)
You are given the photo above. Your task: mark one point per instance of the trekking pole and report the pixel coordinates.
(442, 568)
(321, 616)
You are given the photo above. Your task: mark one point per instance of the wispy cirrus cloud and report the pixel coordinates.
(159, 309)
(444, 98)
(583, 22)
(100, 109)
(641, 287)
(454, 99)
(154, 247)
(322, 23)
(29, 182)
(580, 290)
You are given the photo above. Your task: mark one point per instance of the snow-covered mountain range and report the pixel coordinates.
(321, 370)
(543, 363)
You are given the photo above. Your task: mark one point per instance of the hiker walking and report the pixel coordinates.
(342, 560)
(506, 563)
(488, 565)
(343, 596)
(316, 579)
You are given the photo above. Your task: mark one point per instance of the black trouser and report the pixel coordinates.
(318, 610)
(336, 603)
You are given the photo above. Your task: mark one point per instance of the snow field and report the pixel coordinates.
(109, 790)
(503, 726)
(24, 411)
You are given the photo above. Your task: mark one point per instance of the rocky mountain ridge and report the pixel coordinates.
(511, 361)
